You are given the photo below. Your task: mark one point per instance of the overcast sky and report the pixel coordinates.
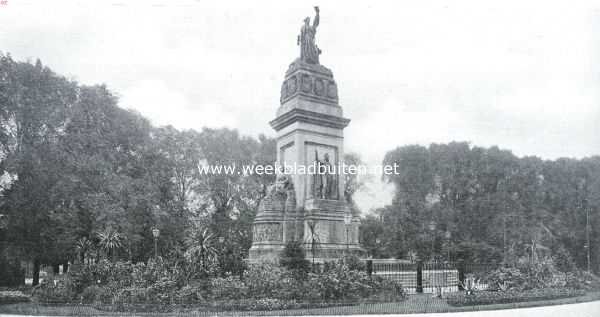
(521, 75)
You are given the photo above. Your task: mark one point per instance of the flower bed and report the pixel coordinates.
(160, 287)
(503, 297)
(264, 304)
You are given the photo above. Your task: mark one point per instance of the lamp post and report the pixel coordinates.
(448, 235)
(432, 229)
(347, 221)
(587, 237)
(155, 234)
(221, 258)
(584, 205)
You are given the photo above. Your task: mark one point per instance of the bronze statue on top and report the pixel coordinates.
(309, 52)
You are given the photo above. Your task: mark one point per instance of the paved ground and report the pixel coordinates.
(417, 305)
(591, 309)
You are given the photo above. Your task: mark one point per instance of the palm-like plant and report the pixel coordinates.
(110, 241)
(201, 246)
(83, 246)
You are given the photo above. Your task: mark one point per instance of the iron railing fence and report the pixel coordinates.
(432, 276)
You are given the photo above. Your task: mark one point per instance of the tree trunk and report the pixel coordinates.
(66, 267)
(56, 268)
(36, 272)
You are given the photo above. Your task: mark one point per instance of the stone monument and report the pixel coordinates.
(307, 206)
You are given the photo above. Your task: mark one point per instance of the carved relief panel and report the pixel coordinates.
(267, 232)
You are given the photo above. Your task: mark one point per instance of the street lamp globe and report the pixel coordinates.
(221, 239)
(155, 232)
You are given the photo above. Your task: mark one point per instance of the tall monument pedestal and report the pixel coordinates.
(331, 231)
(306, 206)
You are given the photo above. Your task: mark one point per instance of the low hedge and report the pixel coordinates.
(11, 273)
(12, 297)
(264, 304)
(504, 297)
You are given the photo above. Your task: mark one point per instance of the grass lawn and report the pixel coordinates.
(414, 304)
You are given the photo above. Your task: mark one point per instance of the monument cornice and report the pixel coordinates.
(307, 116)
(309, 132)
(311, 81)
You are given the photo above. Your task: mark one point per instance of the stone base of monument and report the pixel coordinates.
(326, 228)
(322, 253)
(327, 234)
(265, 253)
(331, 253)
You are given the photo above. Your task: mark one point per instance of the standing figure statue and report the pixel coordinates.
(309, 52)
(324, 186)
(327, 176)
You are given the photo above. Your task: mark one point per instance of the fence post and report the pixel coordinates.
(419, 277)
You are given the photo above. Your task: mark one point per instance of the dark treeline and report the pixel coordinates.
(81, 178)
(487, 205)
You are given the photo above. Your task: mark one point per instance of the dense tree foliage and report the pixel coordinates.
(83, 179)
(486, 205)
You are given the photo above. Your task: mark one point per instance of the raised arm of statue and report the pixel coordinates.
(316, 20)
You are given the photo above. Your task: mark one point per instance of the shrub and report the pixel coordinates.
(11, 297)
(271, 304)
(541, 274)
(293, 258)
(103, 273)
(95, 294)
(582, 280)
(160, 284)
(293, 287)
(162, 291)
(129, 298)
(228, 288)
(338, 282)
(526, 276)
(58, 290)
(263, 280)
(195, 292)
(563, 260)
(387, 290)
(505, 279)
(354, 263)
(144, 275)
(11, 273)
(513, 296)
